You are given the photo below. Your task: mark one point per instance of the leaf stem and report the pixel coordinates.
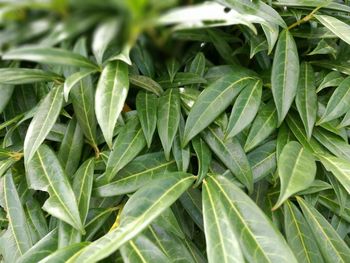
(305, 18)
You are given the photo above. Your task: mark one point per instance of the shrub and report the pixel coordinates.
(174, 131)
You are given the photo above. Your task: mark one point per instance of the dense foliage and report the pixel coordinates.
(174, 131)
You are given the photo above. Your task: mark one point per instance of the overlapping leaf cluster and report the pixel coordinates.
(175, 131)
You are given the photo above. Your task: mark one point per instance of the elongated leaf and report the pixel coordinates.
(222, 243)
(16, 216)
(111, 92)
(63, 254)
(299, 235)
(67, 235)
(339, 28)
(126, 147)
(212, 102)
(142, 249)
(204, 158)
(264, 124)
(5, 95)
(181, 154)
(146, 83)
(333, 143)
(339, 102)
(136, 216)
(245, 108)
(306, 98)
(49, 56)
(168, 118)
(332, 247)
(82, 96)
(45, 173)
(14, 76)
(332, 79)
(41, 249)
(230, 152)
(285, 74)
(141, 171)
(73, 79)
(103, 35)
(296, 169)
(37, 217)
(42, 122)
(146, 106)
(263, 160)
(339, 167)
(71, 147)
(260, 242)
(82, 187)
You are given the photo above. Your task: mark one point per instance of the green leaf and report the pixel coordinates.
(37, 217)
(203, 154)
(262, 160)
(137, 215)
(63, 254)
(339, 167)
(260, 242)
(15, 213)
(146, 83)
(82, 187)
(212, 102)
(74, 79)
(181, 154)
(339, 28)
(332, 247)
(181, 79)
(299, 235)
(221, 240)
(5, 95)
(126, 147)
(15, 76)
(42, 122)
(339, 102)
(142, 249)
(285, 74)
(168, 118)
(296, 169)
(146, 106)
(263, 125)
(230, 152)
(49, 56)
(332, 79)
(41, 249)
(67, 235)
(45, 173)
(245, 108)
(111, 92)
(103, 35)
(139, 172)
(306, 98)
(191, 200)
(71, 147)
(333, 143)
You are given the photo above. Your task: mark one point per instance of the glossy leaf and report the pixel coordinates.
(296, 169)
(75, 78)
(46, 174)
(339, 102)
(42, 122)
(126, 147)
(245, 108)
(212, 102)
(49, 56)
(111, 92)
(306, 98)
(260, 242)
(168, 118)
(331, 245)
(204, 158)
(136, 216)
(231, 154)
(14, 76)
(285, 74)
(146, 106)
(337, 27)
